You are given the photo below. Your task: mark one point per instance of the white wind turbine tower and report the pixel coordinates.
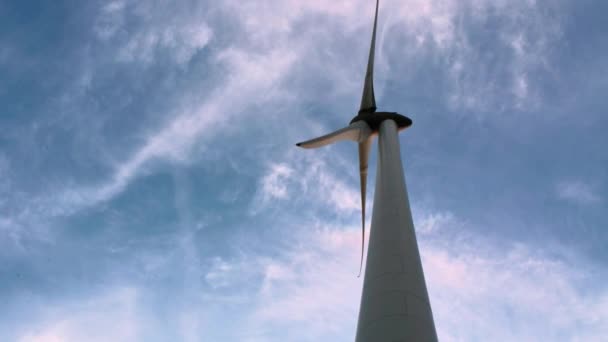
(395, 304)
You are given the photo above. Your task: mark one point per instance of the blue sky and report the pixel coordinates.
(150, 189)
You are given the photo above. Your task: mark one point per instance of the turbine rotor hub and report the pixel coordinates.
(374, 119)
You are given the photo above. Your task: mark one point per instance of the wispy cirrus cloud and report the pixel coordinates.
(496, 287)
(196, 124)
(577, 191)
(480, 288)
(479, 79)
(153, 34)
(111, 316)
(273, 50)
(315, 179)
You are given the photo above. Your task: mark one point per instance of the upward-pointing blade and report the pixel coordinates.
(368, 100)
(364, 148)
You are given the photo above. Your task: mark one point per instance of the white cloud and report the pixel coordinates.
(110, 317)
(497, 295)
(250, 75)
(265, 53)
(577, 192)
(183, 42)
(433, 222)
(315, 288)
(480, 289)
(110, 20)
(274, 183)
(220, 273)
(312, 177)
(154, 32)
(479, 79)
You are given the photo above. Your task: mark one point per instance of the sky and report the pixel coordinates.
(151, 190)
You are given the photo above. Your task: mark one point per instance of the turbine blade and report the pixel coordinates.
(364, 148)
(368, 100)
(357, 131)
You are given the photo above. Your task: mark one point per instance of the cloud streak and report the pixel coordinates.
(309, 177)
(480, 289)
(273, 51)
(111, 316)
(576, 192)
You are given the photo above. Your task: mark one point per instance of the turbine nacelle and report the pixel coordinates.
(361, 128)
(374, 119)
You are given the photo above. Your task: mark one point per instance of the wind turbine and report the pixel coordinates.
(395, 304)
